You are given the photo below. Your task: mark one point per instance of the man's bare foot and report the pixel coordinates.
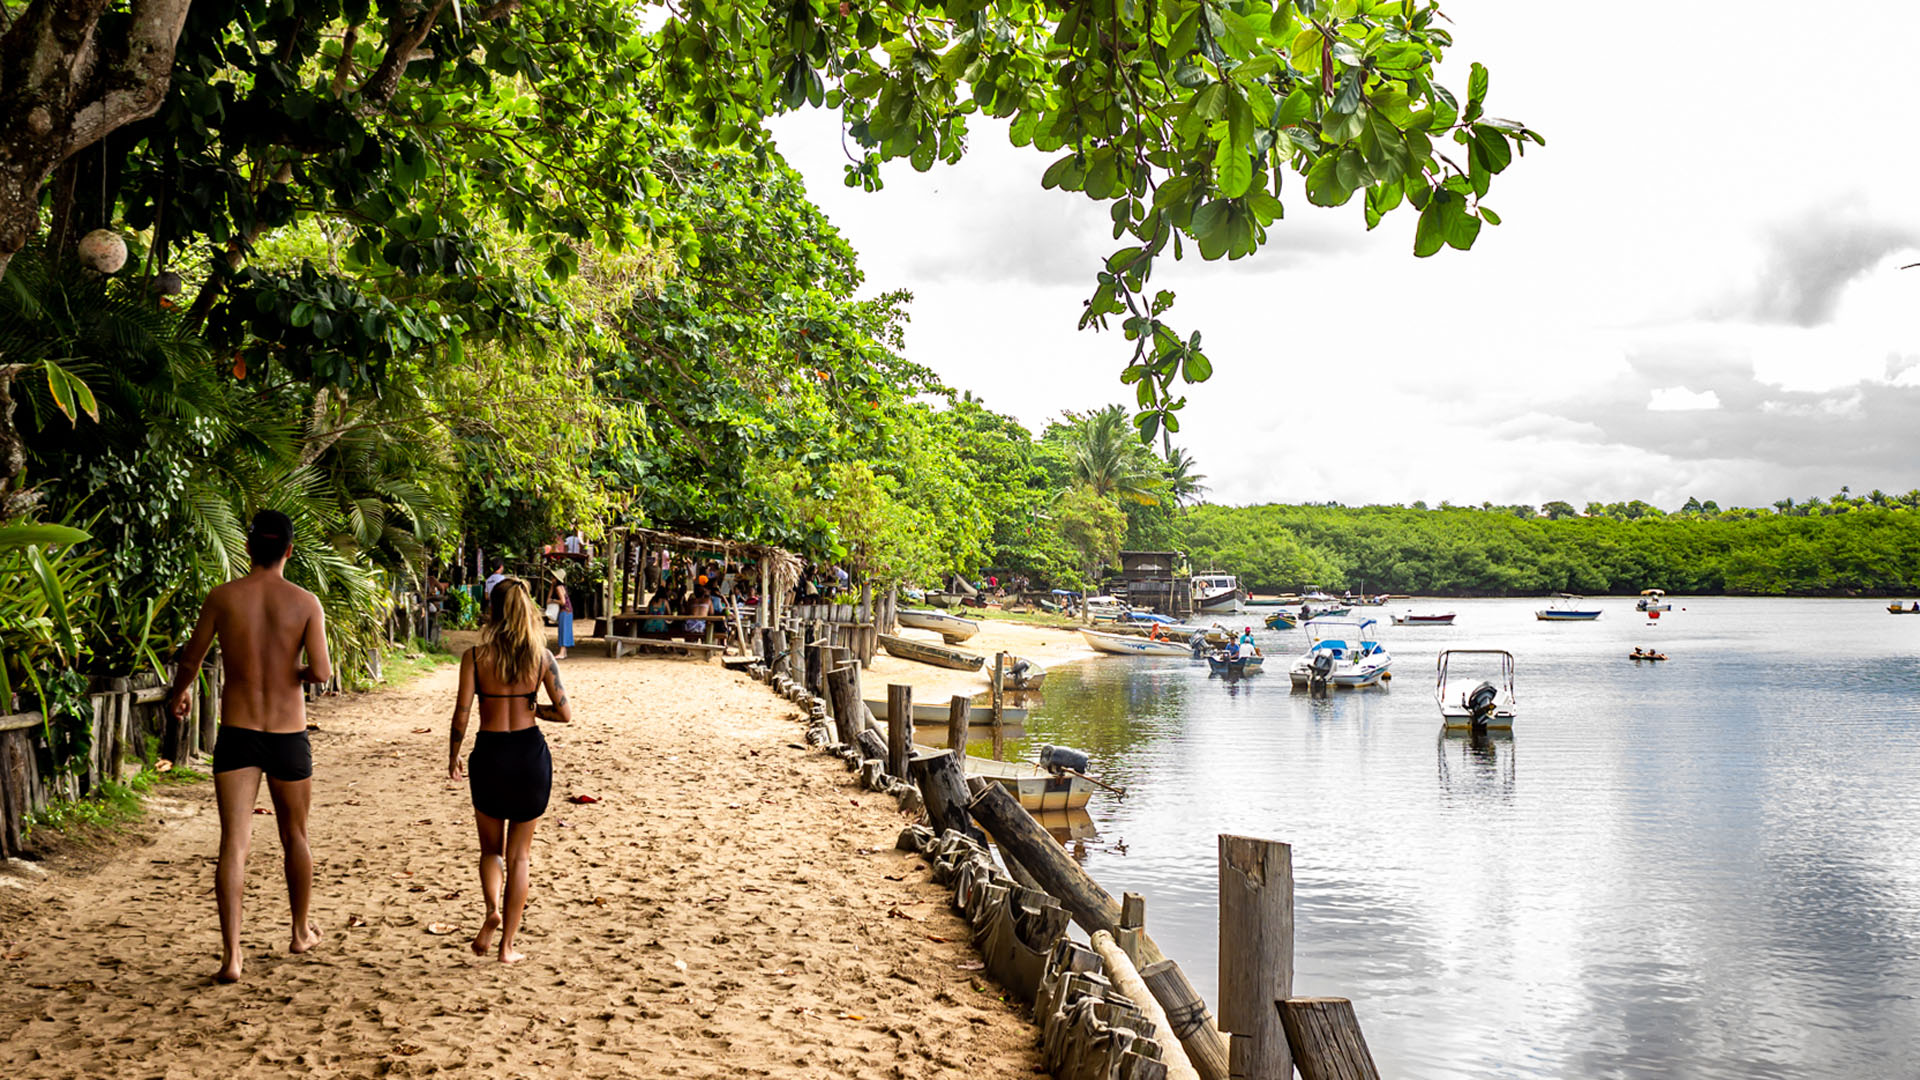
(303, 942)
(229, 972)
(509, 956)
(483, 941)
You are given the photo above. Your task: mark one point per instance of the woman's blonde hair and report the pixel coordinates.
(517, 636)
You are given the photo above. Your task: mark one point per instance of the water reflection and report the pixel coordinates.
(1709, 873)
(1476, 764)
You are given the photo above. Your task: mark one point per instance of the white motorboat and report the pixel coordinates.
(1215, 593)
(1342, 653)
(1475, 702)
(1130, 645)
(1653, 600)
(951, 628)
(1416, 619)
(1567, 608)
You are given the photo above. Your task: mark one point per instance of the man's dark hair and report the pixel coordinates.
(270, 537)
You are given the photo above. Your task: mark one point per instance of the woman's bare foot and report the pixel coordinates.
(229, 972)
(509, 956)
(483, 941)
(303, 942)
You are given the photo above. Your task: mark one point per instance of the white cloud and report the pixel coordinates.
(1543, 364)
(1681, 399)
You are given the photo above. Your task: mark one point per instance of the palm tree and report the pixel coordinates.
(1184, 484)
(1109, 458)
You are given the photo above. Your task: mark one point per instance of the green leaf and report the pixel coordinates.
(1487, 213)
(1211, 102)
(1446, 110)
(1232, 170)
(56, 602)
(1476, 91)
(1490, 144)
(1208, 219)
(1265, 207)
(17, 536)
(1462, 227)
(1102, 174)
(1306, 50)
(1296, 108)
(1239, 121)
(1323, 183)
(1431, 233)
(1196, 367)
(71, 393)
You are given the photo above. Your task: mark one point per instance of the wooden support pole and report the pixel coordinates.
(872, 746)
(816, 666)
(1133, 923)
(1022, 840)
(945, 790)
(899, 727)
(1325, 1038)
(959, 714)
(1256, 953)
(999, 706)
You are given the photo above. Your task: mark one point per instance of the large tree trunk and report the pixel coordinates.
(63, 88)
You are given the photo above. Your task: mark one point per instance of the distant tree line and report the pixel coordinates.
(1844, 545)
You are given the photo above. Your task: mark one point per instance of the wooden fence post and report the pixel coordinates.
(945, 791)
(1325, 1038)
(999, 707)
(1256, 953)
(899, 727)
(959, 715)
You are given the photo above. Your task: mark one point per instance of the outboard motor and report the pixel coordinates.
(1320, 669)
(1058, 759)
(1481, 701)
(1198, 643)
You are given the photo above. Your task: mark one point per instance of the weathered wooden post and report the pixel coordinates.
(1325, 1038)
(999, 707)
(816, 662)
(959, 715)
(846, 706)
(1256, 953)
(899, 727)
(1133, 923)
(945, 790)
(1121, 971)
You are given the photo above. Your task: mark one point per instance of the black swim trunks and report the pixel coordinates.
(510, 774)
(286, 756)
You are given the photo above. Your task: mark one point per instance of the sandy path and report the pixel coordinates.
(810, 948)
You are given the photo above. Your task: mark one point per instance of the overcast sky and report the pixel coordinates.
(1695, 291)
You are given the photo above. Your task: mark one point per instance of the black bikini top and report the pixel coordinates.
(532, 696)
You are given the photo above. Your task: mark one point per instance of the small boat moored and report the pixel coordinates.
(926, 652)
(1215, 593)
(1565, 609)
(1895, 608)
(1413, 619)
(1653, 600)
(1130, 645)
(952, 628)
(1487, 705)
(1023, 674)
(1281, 620)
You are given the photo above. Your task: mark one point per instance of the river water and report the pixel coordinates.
(1702, 868)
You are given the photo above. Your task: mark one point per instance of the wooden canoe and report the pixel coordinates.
(935, 714)
(926, 652)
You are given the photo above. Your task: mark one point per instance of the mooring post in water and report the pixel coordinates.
(1256, 953)
(959, 715)
(1133, 923)
(1022, 840)
(999, 707)
(1325, 1037)
(899, 727)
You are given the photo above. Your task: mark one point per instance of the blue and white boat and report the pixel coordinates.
(1223, 662)
(1567, 608)
(1343, 653)
(1131, 645)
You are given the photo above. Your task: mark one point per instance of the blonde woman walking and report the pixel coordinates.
(510, 772)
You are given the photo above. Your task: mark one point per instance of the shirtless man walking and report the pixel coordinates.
(263, 621)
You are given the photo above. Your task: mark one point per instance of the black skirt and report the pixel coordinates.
(511, 774)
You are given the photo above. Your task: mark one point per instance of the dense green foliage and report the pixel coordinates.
(1855, 547)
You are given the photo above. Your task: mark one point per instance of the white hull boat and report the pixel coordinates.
(1129, 645)
(1342, 654)
(1215, 593)
(952, 628)
(1470, 702)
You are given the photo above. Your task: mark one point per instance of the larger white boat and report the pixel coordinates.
(1343, 653)
(1215, 593)
(1485, 705)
